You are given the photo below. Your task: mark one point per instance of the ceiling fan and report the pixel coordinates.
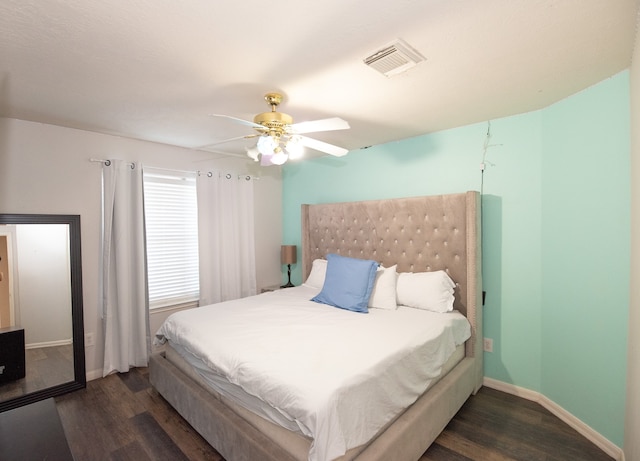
(279, 139)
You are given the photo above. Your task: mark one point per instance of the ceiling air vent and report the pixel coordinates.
(394, 59)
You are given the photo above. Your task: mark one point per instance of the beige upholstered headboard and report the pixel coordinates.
(418, 234)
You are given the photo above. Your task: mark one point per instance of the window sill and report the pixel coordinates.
(174, 307)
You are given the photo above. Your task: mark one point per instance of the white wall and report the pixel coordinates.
(46, 169)
(632, 420)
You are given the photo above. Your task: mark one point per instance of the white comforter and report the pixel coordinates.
(339, 375)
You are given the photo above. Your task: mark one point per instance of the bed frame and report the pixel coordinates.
(419, 234)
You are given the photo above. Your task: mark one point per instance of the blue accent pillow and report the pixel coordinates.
(348, 283)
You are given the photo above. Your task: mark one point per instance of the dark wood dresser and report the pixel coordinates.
(12, 355)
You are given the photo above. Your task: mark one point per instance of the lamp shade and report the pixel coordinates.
(288, 254)
(266, 144)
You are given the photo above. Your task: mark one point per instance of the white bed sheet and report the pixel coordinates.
(337, 375)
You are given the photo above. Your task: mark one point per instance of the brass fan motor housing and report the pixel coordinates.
(273, 121)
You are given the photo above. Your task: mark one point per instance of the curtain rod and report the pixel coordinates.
(247, 177)
(100, 160)
(209, 174)
(108, 162)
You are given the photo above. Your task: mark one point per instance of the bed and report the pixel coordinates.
(415, 235)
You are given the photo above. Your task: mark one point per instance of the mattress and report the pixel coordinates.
(315, 369)
(294, 442)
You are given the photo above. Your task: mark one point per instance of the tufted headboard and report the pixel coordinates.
(418, 234)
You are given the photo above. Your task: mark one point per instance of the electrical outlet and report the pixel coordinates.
(89, 340)
(488, 345)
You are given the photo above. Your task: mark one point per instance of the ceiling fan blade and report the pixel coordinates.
(325, 124)
(239, 120)
(246, 136)
(323, 146)
(214, 151)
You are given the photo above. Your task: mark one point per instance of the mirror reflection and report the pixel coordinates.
(41, 334)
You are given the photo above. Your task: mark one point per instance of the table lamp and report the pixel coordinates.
(288, 257)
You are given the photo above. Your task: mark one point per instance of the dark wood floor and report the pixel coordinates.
(122, 418)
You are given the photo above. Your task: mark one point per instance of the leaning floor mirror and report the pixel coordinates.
(41, 317)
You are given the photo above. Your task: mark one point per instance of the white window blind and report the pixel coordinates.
(171, 220)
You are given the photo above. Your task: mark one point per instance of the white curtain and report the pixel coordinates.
(123, 285)
(225, 237)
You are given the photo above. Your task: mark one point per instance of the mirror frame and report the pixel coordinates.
(75, 259)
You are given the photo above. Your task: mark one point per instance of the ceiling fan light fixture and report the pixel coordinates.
(279, 157)
(253, 153)
(279, 139)
(294, 147)
(267, 144)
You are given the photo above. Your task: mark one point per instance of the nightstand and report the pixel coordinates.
(272, 288)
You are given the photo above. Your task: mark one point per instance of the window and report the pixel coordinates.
(171, 220)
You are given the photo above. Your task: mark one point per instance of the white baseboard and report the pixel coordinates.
(585, 430)
(61, 342)
(94, 374)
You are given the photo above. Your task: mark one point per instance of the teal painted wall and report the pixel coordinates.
(526, 167)
(586, 232)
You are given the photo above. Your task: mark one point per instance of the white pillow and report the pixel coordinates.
(318, 272)
(431, 291)
(383, 295)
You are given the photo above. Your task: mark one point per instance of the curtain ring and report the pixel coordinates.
(247, 178)
(107, 162)
(209, 174)
(228, 176)
(133, 165)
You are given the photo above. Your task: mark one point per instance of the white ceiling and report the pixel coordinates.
(155, 69)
